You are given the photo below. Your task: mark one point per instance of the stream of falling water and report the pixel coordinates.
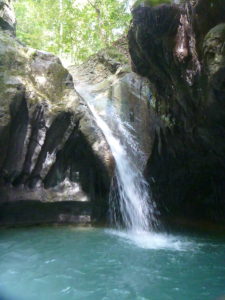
(130, 203)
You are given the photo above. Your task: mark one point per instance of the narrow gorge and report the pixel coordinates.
(56, 165)
(112, 167)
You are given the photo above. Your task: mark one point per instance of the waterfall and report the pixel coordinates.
(130, 203)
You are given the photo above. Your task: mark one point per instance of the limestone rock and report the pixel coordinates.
(48, 140)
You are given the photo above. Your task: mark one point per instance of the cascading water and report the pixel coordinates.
(136, 209)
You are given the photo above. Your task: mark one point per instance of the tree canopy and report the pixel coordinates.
(76, 28)
(72, 28)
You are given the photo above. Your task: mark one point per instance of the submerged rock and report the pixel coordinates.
(51, 148)
(180, 49)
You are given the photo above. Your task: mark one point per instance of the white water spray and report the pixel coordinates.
(136, 210)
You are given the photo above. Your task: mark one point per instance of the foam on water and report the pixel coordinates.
(152, 240)
(136, 207)
(64, 263)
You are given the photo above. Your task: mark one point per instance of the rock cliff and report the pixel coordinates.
(55, 165)
(180, 49)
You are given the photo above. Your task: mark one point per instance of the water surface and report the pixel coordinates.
(66, 263)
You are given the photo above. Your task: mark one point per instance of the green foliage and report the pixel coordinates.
(76, 28)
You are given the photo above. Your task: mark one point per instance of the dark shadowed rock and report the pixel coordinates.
(180, 49)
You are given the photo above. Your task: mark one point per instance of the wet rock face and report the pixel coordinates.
(51, 149)
(117, 87)
(180, 49)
